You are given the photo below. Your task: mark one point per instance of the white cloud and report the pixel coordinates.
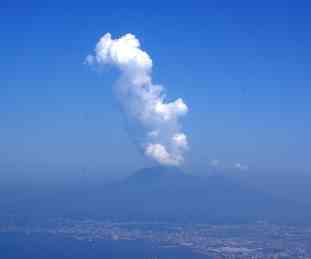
(180, 140)
(144, 102)
(159, 153)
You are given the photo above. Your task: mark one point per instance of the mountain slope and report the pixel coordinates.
(159, 193)
(169, 194)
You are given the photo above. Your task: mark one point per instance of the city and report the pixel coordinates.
(248, 241)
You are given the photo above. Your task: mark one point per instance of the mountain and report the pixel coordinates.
(168, 194)
(159, 194)
(160, 176)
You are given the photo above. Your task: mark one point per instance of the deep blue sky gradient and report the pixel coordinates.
(243, 67)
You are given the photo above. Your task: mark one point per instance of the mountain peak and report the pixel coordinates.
(157, 174)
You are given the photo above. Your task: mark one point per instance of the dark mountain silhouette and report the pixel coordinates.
(167, 193)
(160, 177)
(161, 194)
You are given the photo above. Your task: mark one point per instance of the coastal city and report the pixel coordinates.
(248, 241)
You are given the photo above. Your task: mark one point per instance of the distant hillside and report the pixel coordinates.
(167, 193)
(160, 193)
(294, 186)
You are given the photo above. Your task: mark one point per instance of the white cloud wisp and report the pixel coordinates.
(144, 102)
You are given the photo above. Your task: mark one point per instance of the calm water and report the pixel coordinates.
(44, 246)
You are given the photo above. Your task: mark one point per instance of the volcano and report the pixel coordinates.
(169, 194)
(165, 194)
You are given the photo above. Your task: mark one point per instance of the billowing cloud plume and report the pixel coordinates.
(144, 102)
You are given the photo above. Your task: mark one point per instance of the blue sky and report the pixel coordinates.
(243, 68)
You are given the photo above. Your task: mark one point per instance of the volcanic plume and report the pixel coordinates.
(144, 102)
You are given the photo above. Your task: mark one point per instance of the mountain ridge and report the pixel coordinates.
(160, 194)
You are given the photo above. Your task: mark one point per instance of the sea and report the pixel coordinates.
(49, 246)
